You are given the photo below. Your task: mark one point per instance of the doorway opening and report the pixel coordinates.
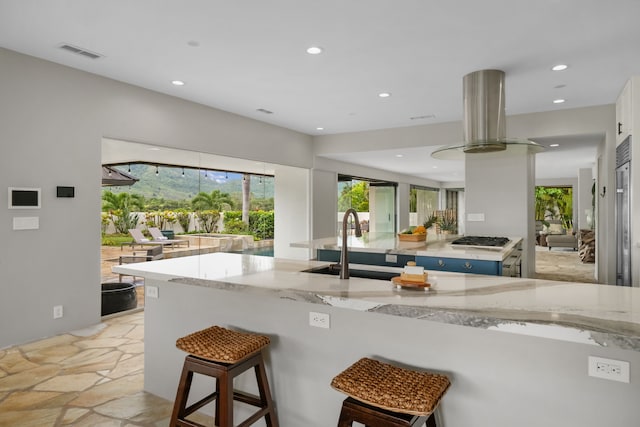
(183, 195)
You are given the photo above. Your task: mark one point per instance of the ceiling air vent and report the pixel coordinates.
(262, 110)
(80, 51)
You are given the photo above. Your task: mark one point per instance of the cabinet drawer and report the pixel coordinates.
(460, 265)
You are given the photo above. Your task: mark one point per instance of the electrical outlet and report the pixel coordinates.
(57, 312)
(151, 291)
(319, 320)
(609, 369)
(478, 217)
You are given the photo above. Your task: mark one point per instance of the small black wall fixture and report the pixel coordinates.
(65, 191)
(604, 191)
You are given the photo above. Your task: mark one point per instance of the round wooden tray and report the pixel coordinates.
(412, 237)
(398, 282)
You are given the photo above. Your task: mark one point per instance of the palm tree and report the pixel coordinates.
(120, 206)
(114, 201)
(246, 197)
(216, 200)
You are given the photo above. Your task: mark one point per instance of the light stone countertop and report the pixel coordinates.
(600, 315)
(436, 245)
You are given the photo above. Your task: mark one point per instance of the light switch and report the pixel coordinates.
(26, 222)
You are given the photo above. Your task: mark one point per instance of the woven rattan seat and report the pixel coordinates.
(223, 354)
(222, 345)
(392, 388)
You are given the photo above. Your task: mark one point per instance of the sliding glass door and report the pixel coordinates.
(382, 207)
(375, 202)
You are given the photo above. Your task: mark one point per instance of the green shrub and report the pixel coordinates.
(261, 224)
(184, 218)
(235, 226)
(208, 220)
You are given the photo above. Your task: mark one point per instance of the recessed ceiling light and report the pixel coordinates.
(314, 50)
(559, 86)
(193, 43)
(435, 167)
(154, 149)
(319, 128)
(264, 110)
(177, 82)
(399, 155)
(559, 67)
(554, 145)
(558, 101)
(384, 95)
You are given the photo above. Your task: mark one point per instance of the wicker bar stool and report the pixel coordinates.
(223, 354)
(383, 395)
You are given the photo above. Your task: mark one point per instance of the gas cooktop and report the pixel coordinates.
(492, 242)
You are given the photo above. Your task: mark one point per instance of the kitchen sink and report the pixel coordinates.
(334, 270)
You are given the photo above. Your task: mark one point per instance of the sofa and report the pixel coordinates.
(569, 240)
(557, 237)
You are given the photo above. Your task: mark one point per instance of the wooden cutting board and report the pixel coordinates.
(408, 284)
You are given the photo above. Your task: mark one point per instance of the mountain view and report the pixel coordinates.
(170, 184)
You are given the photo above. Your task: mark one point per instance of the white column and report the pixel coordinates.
(499, 194)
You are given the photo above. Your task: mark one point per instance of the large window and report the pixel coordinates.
(555, 204)
(373, 200)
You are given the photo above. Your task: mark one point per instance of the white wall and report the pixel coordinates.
(291, 207)
(499, 186)
(324, 193)
(52, 121)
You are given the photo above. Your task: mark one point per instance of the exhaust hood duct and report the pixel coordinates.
(484, 120)
(485, 129)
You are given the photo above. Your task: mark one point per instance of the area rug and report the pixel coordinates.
(564, 265)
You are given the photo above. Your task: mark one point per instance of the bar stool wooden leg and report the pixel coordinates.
(265, 394)
(354, 411)
(225, 400)
(183, 390)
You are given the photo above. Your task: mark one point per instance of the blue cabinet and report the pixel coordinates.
(509, 267)
(460, 265)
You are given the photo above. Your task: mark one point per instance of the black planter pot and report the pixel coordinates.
(117, 297)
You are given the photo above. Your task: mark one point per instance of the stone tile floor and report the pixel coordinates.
(92, 377)
(564, 265)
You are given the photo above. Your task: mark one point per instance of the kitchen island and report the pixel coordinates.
(436, 253)
(516, 349)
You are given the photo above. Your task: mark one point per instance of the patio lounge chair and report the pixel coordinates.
(139, 239)
(157, 236)
(155, 253)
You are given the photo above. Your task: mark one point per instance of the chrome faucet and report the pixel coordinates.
(344, 257)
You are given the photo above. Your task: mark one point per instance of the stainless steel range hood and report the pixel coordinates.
(484, 120)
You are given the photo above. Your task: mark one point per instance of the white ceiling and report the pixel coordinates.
(245, 55)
